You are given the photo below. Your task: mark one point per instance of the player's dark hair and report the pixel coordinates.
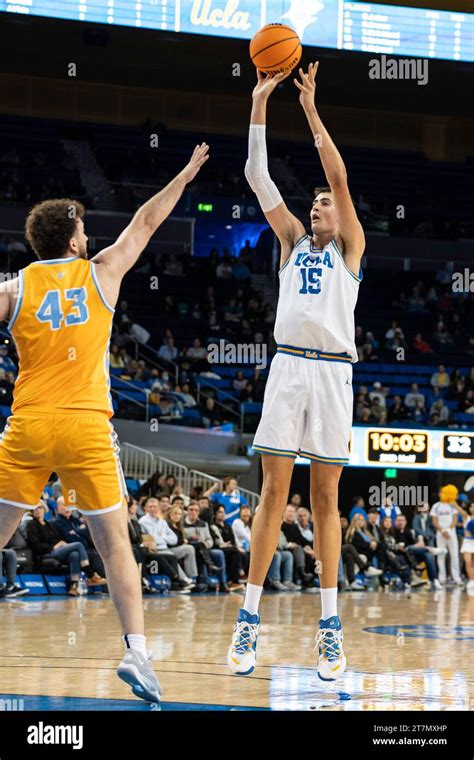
(373, 511)
(318, 190)
(51, 224)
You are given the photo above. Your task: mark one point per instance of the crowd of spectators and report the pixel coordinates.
(376, 405)
(202, 542)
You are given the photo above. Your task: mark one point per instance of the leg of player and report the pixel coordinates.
(110, 535)
(10, 518)
(266, 526)
(327, 547)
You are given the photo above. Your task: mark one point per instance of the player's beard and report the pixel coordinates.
(83, 252)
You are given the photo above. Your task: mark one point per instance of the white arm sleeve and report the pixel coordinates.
(256, 170)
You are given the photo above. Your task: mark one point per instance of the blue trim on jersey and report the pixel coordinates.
(313, 353)
(99, 289)
(336, 248)
(57, 261)
(285, 264)
(325, 460)
(275, 452)
(19, 300)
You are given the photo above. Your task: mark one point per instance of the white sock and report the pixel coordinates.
(328, 602)
(252, 598)
(137, 642)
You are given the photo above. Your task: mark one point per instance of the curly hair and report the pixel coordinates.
(51, 224)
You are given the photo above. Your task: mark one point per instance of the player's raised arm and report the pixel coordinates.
(352, 234)
(284, 224)
(118, 258)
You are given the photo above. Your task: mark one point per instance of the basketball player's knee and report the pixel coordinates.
(325, 498)
(272, 496)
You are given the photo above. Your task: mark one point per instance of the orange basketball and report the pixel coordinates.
(275, 48)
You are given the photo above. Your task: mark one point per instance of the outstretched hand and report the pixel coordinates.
(199, 157)
(307, 86)
(266, 83)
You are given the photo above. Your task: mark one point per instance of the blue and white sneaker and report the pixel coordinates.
(242, 652)
(332, 661)
(137, 671)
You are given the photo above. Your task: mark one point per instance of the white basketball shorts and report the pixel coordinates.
(307, 408)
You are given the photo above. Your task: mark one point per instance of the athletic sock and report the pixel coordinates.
(137, 642)
(252, 598)
(328, 602)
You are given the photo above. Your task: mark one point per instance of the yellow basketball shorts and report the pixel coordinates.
(80, 447)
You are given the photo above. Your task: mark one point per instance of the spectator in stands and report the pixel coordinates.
(45, 541)
(439, 413)
(305, 526)
(241, 526)
(422, 524)
(388, 509)
(413, 396)
(440, 379)
(188, 399)
(467, 405)
(416, 303)
(414, 547)
(296, 500)
(209, 558)
(280, 572)
(358, 507)
(372, 523)
(239, 382)
(229, 496)
(178, 491)
(197, 353)
(421, 346)
(248, 393)
(441, 334)
(232, 311)
(378, 393)
(154, 525)
(301, 547)
(182, 550)
(224, 269)
(10, 589)
(390, 334)
(168, 351)
(74, 529)
(418, 413)
(206, 511)
(146, 555)
(378, 413)
(398, 410)
(397, 562)
(224, 539)
(362, 410)
(351, 558)
(360, 537)
(211, 416)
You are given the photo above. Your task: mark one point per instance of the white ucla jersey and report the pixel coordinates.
(318, 294)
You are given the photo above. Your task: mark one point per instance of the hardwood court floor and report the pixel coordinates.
(403, 653)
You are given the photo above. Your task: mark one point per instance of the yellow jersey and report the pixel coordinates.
(61, 326)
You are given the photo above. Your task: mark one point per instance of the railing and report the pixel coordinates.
(219, 403)
(205, 481)
(140, 464)
(168, 467)
(136, 462)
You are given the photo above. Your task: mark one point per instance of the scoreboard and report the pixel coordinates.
(446, 450)
(366, 27)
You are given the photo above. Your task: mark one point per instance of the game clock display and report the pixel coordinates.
(458, 446)
(397, 447)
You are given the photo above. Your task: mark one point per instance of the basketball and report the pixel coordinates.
(275, 48)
